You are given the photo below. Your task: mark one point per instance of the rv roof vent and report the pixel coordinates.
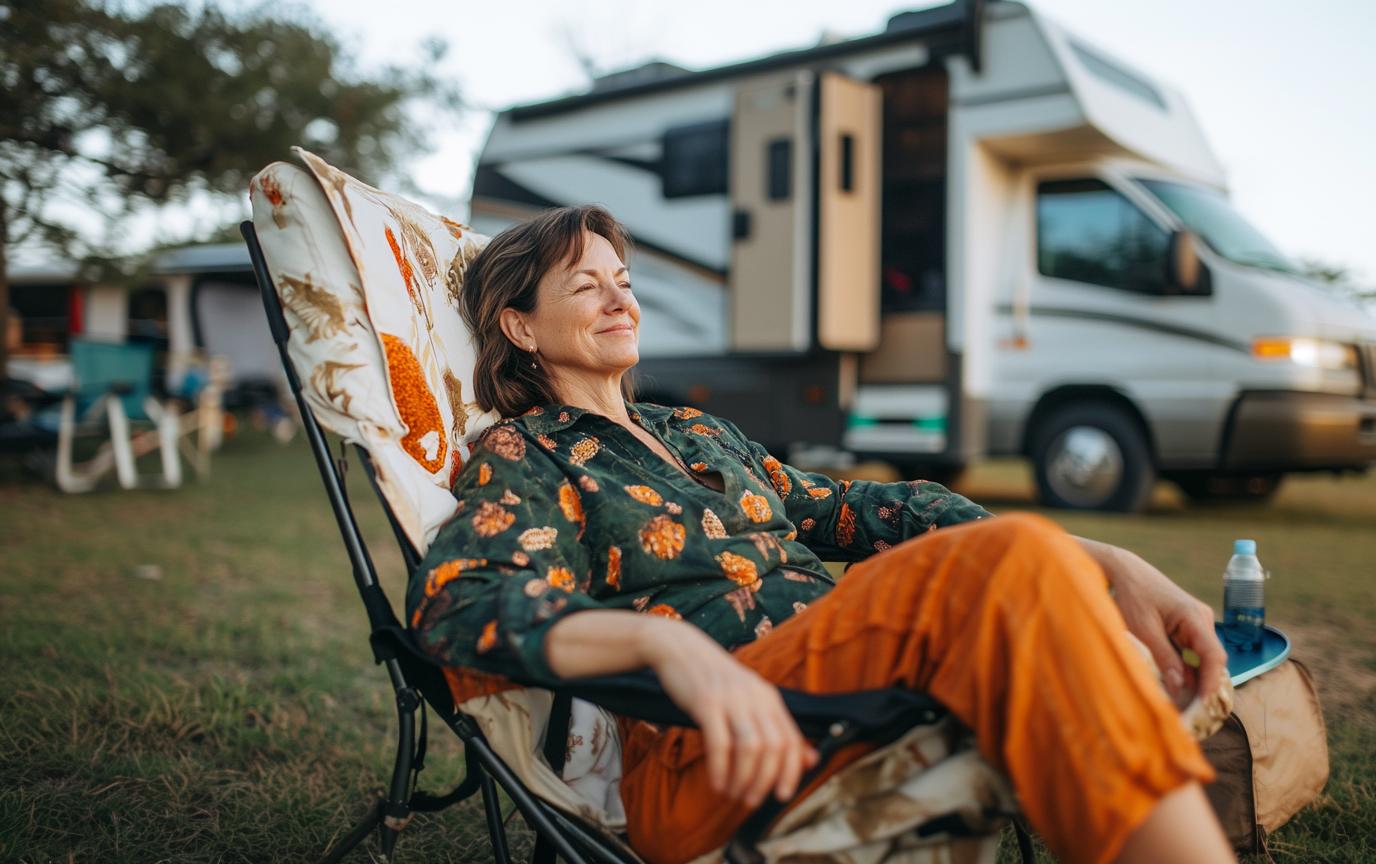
(655, 70)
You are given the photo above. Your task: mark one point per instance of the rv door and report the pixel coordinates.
(849, 156)
(772, 196)
(771, 199)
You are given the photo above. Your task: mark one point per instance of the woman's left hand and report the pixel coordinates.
(1167, 619)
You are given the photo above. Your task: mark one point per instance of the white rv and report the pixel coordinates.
(974, 233)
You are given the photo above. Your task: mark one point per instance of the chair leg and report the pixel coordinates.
(119, 437)
(545, 851)
(495, 829)
(67, 479)
(395, 810)
(169, 430)
(357, 835)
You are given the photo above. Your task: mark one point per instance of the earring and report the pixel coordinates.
(532, 358)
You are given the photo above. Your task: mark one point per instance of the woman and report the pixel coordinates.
(618, 536)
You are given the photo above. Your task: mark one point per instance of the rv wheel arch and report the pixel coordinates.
(1055, 398)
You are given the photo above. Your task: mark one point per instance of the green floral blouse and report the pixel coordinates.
(562, 510)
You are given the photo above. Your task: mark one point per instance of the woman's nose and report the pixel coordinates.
(618, 299)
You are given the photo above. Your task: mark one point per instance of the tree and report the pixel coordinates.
(1337, 276)
(104, 108)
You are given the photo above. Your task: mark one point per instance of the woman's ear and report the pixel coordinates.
(516, 329)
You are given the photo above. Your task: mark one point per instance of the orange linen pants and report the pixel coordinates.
(1009, 624)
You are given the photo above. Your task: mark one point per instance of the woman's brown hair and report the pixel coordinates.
(506, 275)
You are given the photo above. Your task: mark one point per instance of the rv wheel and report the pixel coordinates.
(1092, 456)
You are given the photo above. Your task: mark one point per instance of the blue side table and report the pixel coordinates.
(1246, 665)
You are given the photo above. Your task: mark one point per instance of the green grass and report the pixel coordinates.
(226, 712)
(230, 712)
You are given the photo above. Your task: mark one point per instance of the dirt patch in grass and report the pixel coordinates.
(1340, 658)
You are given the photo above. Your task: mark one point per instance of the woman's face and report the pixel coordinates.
(586, 323)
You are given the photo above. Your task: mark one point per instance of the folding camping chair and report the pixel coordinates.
(112, 383)
(878, 716)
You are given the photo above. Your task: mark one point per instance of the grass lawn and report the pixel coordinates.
(228, 710)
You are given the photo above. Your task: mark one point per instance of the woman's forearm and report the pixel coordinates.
(607, 641)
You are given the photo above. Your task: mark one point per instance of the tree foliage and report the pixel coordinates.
(102, 108)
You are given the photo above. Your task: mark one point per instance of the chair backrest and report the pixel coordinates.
(103, 367)
(373, 333)
(369, 283)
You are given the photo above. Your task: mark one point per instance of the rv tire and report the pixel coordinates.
(1092, 455)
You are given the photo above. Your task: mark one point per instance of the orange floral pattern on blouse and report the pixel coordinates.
(583, 451)
(711, 525)
(492, 519)
(664, 610)
(741, 569)
(756, 507)
(416, 405)
(662, 537)
(534, 539)
(572, 506)
(614, 567)
(488, 640)
(561, 578)
(506, 443)
(845, 526)
(782, 485)
(645, 495)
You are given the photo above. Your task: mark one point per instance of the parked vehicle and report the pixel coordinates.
(974, 233)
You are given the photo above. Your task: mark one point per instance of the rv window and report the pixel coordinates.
(695, 159)
(148, 316)
(780, 169)
(847, 163)
(1088, 232)
(1207, 212)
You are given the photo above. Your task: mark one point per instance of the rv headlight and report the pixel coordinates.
(1302, 351)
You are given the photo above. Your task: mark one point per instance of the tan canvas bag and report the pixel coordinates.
(1271, 755)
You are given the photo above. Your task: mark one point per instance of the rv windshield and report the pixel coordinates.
(1208, 213)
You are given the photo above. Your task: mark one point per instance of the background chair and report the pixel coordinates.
(112, 383)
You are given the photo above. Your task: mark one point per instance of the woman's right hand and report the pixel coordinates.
(753, 744)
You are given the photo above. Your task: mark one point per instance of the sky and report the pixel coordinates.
(1284, 89)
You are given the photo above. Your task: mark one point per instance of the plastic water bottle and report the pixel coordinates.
(1244, 597)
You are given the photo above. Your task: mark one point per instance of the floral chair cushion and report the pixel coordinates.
(370, 284)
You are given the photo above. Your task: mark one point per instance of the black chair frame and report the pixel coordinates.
(876, 716)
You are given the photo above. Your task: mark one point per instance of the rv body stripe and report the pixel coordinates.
(1013, 95)
(1139, 323)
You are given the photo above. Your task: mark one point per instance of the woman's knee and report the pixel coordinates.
(1026, 551)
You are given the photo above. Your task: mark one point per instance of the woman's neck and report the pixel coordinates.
(600, 396)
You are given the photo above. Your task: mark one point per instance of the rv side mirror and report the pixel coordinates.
(1188, 275)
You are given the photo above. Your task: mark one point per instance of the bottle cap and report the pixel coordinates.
(1244, 547)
